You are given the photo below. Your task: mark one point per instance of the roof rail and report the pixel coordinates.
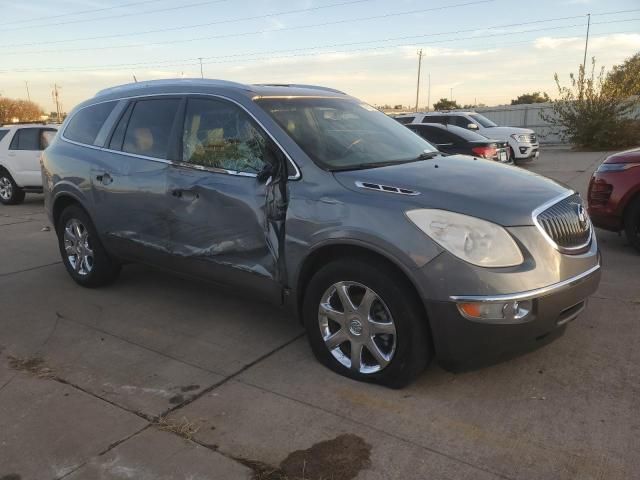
(32, 122)
(300, 85)
(170, 82)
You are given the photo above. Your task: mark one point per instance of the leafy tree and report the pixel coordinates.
(535, 97)
(590, 115)
(23, 110)
(445, 104)
(624, 80)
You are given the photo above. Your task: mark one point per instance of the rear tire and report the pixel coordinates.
(632, 223)
(82, 253)
(10, 192)
(389, 330)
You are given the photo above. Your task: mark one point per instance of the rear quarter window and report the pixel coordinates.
(86, 123)
(3, 133)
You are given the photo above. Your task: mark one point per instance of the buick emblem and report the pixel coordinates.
(582, 216)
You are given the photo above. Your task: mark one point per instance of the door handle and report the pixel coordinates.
(186, 194)
(104, 178)
(11, 154)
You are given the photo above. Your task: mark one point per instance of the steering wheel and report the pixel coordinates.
(353, 144)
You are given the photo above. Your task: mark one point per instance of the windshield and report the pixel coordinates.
(340, 133)
(482, 120)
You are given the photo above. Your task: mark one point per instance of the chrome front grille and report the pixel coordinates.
(566, 224)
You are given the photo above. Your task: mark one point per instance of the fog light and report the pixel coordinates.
(504, 312)
(523, 150)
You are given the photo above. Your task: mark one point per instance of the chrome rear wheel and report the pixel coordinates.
(77, 245)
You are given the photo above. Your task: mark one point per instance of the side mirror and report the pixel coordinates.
(472, 126)
(265, 173)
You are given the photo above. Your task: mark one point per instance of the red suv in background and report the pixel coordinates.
(614, 195)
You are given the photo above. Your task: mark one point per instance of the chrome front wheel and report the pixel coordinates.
(357, 327)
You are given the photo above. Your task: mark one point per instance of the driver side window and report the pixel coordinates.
(218, 134)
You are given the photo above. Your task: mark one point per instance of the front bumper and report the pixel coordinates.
(462, 343)
(526, 151)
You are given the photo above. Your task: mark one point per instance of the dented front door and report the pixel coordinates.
(218, 229)
(222, 224)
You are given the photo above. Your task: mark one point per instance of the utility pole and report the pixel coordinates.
(28, 95)
(418, 85)
(201, 72)
(429, 94)
(55, 96)
(451, 94)
(586, 45)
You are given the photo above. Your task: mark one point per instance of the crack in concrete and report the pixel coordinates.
(6, 274)
(152, 420)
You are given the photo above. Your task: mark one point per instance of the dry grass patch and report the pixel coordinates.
(182, 427)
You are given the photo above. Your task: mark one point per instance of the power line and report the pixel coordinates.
(233, 57)
(110, 47)
(81, 12)
(233, 20)
(255, 32)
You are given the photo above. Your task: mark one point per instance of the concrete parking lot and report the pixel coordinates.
(158, 377)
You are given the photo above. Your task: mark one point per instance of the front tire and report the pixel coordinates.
(82, 253)
(10, 192)
(366, 323)
(632, 224)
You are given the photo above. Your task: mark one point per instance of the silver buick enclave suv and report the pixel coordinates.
(389, 252)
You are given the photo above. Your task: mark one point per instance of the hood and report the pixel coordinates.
(628, 156)
(485, 189)
(503, 133)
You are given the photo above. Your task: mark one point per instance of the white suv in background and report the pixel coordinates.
(523, 141)
(20, 148)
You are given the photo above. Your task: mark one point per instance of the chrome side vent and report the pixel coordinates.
(385, 188)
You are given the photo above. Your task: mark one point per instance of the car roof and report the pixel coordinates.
(198, 85)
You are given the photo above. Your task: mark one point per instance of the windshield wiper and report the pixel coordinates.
(364, 166)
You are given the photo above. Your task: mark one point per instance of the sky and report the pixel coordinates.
(475, 51)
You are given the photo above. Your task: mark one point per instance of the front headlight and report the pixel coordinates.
(616, 167)
(521, 138)
(471, 239)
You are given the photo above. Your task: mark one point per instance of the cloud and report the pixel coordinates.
(617, 40)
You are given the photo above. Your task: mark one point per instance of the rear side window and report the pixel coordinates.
(149, 129)
(436, 135)
(46, 137)
(26, 139)
(405, 120)
(85, 125)
(435, 119)
(3, 133)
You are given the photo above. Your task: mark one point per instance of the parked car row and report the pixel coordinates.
(390, 252)
(523, 142)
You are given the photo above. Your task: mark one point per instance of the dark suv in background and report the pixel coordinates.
(307, 197)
